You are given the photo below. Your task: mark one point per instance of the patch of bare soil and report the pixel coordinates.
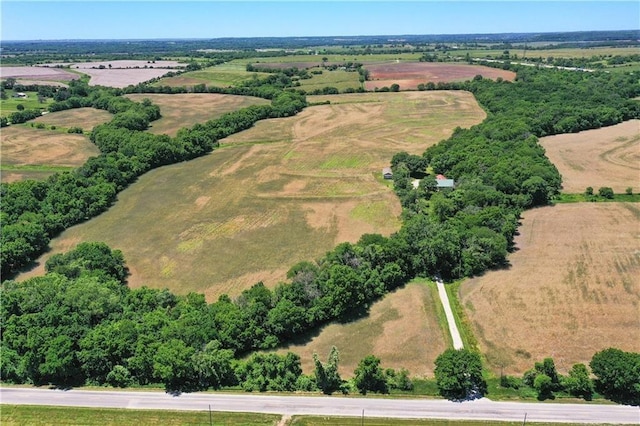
(573, 288)
(609, 156)
(37, 73)
(119, 77)
(409, 74)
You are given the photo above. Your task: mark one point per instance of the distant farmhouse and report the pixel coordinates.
(443, 182)
(387, 173)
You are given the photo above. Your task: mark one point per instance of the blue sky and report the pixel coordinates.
(51, 20)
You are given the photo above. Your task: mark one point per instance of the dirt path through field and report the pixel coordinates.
(453, 328)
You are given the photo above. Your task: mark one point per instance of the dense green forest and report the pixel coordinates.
(80, 323)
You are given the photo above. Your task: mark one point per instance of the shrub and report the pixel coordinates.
(606, 192)
(75, 130)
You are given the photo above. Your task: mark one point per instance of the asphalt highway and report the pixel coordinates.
(482, 409)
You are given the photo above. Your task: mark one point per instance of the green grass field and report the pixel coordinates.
(14, 415)
(224, 75)
(339, 79)
(10, 105)
(41, 415)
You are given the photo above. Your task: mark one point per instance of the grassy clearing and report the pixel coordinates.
(403, 319)
(339, 79)
(572, 289)
(224, 75)
(185, 110)
(609, 156)
(10, 105)
(284, 191)
(29, 152)
(40, 415)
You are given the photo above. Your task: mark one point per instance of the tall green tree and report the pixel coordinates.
(459, 374)
(369, 376)
(327, 377)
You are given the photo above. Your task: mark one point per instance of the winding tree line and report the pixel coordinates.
(35, 211)
(80, 323)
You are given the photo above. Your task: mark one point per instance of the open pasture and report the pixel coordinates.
(223, 75)
(609, 156)
(402, 330)
(572, 289)
(284, 191)
(185, 110)
(86, 118)
(409, 74)
(10, 105)
(37, 153)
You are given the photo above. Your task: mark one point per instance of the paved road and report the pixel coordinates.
(453, 328)
(482, 409)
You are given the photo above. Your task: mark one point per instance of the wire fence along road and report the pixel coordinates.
(453, 328)
(481, 409)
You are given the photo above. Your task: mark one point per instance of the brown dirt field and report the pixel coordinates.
(125, 63)
(573, 288)
(37, 73)
(119, 77)
(400, 329)
(409, 74)
(185, 110)
(609, 156)
(87, 118)
(22, 145)
(284, 191)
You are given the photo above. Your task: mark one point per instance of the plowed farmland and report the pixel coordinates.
(409, 74)
(281, 192)
(573, 288)
(609, 156)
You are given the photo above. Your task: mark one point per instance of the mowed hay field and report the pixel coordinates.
(29, 153)
(185, 110)
(85, 118)
(281, 192)
(400, 329)
(609, 156)
(573, 288)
